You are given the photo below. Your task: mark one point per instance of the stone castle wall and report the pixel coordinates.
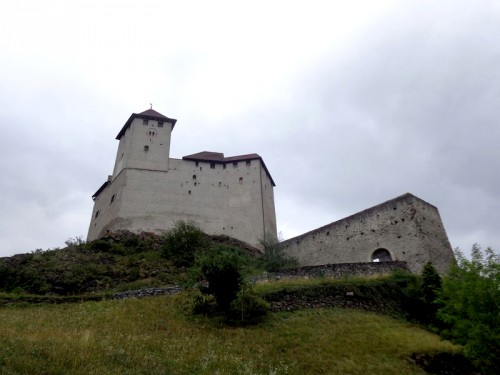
(409, 228)
(234, 199)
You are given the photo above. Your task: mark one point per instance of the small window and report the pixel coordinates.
(224, 166)
(113, 197)
(97, 214)
(235, 165)
(194, 177)
(249, 163)
(196, 164)
(212, 165)
(146, 148)
(241, 180)
(144, 122)
(160, 124)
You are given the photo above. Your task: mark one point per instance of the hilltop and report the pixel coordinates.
(119, 261)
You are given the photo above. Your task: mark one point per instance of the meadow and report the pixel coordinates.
(157, 336)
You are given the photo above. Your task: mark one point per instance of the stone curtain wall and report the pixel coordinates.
(409, 228)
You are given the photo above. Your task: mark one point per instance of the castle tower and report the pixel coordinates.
(144, 142)
(149, 191)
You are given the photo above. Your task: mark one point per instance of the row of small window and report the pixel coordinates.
(235, 164)
(194, 178)
(160, 123)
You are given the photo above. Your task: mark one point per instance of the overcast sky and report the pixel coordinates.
(350, 103)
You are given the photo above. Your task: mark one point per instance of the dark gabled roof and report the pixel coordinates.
(149, 114)
(218, 157)
(103, 186)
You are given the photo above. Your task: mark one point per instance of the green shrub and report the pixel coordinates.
(182, 243)
(222, 289)
(247, 308)
(471, 306)
(430, 289)
(274, 257)
(222, 268)
(204, 304)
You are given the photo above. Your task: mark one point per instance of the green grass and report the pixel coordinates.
(302, 283)
(154, 336)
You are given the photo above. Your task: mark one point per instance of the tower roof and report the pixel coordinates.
(149, 114)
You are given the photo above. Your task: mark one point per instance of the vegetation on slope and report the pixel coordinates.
(464, 307)
(120, 261)
(157, 336)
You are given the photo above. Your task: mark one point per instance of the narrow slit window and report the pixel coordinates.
(212, 165)
(144, 122)
(160, 124)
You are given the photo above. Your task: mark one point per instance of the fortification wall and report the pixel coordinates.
(409, 228)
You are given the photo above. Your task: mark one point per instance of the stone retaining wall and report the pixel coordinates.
(339, 271)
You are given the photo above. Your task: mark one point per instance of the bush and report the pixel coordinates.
(182, 243)
(471, 306)
(420, 295)
(430, 288)
(247, 308)
(274, 257)
(222, 268)
(204, 304)
(222, 289)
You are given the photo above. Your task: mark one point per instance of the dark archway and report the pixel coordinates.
(381, 255)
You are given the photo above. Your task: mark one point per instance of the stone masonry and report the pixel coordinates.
(405, 228)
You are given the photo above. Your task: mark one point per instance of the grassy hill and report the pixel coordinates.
(120, 261)
(155, 336)
(39, 334)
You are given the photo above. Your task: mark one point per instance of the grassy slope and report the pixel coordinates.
(153, 336)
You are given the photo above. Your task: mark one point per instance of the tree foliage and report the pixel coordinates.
(182, 242)
(471, 306)
(222, 268)
(431, 287)
(220, 272)
(274, 256)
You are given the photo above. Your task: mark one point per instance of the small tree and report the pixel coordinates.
(274, 256)
(430, 288)
(222, 268)
(226, 293)
(471, 306)
(182, 242)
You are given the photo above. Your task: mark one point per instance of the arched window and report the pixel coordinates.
(381, 255)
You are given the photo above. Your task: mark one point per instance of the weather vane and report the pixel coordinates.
(151, 106)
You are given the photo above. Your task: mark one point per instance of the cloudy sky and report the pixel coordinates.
(350, 103)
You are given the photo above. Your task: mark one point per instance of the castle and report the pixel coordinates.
(149, 191)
